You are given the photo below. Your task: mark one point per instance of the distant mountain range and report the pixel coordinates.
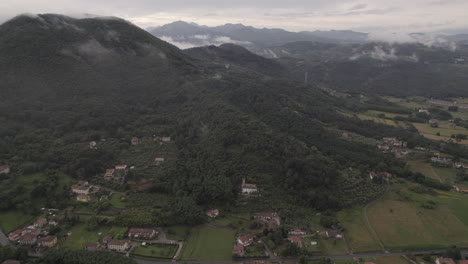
(188, 35)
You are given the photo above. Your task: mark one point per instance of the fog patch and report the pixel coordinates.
(427, 39)
(186, 42)
(381, 53)
(179, 44)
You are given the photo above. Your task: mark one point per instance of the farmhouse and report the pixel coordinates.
(158, 161)
(444, 261)
(142, 233)
(119, 245)
(28, 240)
(134, 141)
(83, 198)
(248, 188)
(107, 238)
(4, 169)
(117, 175)
(245, 240)
(345, 134)
(109, 174)
(48, 241)
(459, 188)
(92, 144)
(92, 246)
(461, 165)
(334, 234)
(372, 175)
(268, 217)
(212, 213)
(238, 249)
(296, 240)
(15, 235)
(162, 139)
(298, 232)
(83, 188)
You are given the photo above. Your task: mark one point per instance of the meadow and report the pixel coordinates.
(158, 251)
(357, 232)
(208, 243)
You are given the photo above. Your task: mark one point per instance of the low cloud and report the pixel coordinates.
(201, 40)
(384, 54)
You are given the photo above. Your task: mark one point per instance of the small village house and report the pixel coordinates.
(461, 189)
(92, 246)
(334, 234)
(135, 141)
(245, 240)
(92, 144)
(15, 235)
(461, 165)
(158, 161)
(444, 261)
(298, 232)
(372, 175)
(40, 222)
(119, 245)
(4, 169)
(81, 189)
(142, 233)
(296, 240)
(162, 139)
(248, 188)
(345, 134)
(238, 249)
(28, 240)
(48, 241)
(212, 213)
(268, 217)
(83, 198)
(109, 174)
(107, 238)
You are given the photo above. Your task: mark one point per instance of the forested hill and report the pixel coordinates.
(67, 81)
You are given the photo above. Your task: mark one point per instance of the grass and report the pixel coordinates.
(378, 120)
(13, 219)
(446, 130)
(404, 224)
(177, 232)
(116, 200)
(357, 233)
(160, 251)
(387, 114)
(208, 243)
(445, 175)
(80, 235)
(333, 246)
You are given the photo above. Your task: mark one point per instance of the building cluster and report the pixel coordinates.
(248, 188)
(117, 175)
(394, 145)
(296, 236)
(83, 191)
(35, 234)
(122, 245)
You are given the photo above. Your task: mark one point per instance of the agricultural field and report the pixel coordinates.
(12, 219)
(378, 120)
(385, 114)
(158, 251)
(402, 223)
(118, 200)
(177, 232)
(357, 233)
(333, 246)
(378, 260)
(80, 235)
(208, 243)
(445, 130)
(444, 175)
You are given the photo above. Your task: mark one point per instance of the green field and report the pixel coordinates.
(80, 235)
(446, 130)
(116, 201)
(333, 246)
(12, 219)
(177, 232)
(357, 233)
(402, 223)
(208, 243)
(387, 114)
(378, 120)
(445, 175)
(159, 251)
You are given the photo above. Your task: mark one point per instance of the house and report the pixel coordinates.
(383, 147)
(15, 235)
(298, 232)
(459, 188)
(434, 123)
(92, 144)
(28, 240)
(245, 240)
(92, 246)
(83, 198)
(296, 240)
(119, 245)
(121, 167)
(461, 165)
(53, 223)
(459, 61)
(4, 169)
(238, 249)
(372, 175)
(422, 110)
(11, 261)
(107, 238)
(158, 161)
(117, 175)
(345, 134)
(81, 189)
(435, 153)
(268, 217)
(40, 222)
(141, 233)
(441, 160)
(334, 234)
(444, 261)
(248, 188)
(109, 174)
(212, 213)
(134, 141)
(162, 139)
(48, 241)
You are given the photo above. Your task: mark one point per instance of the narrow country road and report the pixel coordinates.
(4, 239)
(342, 256)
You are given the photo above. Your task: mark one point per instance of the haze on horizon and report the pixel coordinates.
(397, 16)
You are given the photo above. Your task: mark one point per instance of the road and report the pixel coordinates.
(343, 256)
(4, 239)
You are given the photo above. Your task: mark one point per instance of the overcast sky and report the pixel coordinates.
(293, 15)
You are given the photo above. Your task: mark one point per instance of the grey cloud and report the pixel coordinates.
(358, 7)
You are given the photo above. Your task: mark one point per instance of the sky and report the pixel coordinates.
(294, 15)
